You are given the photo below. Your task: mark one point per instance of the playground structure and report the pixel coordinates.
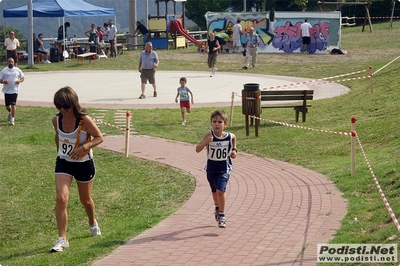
(367, 17)
(169, 27)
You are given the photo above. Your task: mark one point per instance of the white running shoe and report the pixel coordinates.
(60, 245)
(213, 72)
(47, 62)
(183, 123)
(221, 221)
(95, 229)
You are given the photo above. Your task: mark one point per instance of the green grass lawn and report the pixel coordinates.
(128, 201)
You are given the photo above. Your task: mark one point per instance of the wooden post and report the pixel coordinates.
(247, 125)
(246, 110)
(353, 146)
(127, 133)
(367, 17)
(257, 110)
(391, 17)
(232, 98)
(369, 70)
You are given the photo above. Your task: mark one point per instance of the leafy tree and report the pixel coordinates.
(196, 9)
(301, 3)
(237, 5)
(267, 5)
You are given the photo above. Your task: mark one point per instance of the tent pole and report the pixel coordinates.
(116, 38)
(4, 25)
(132, 22)
(30, 40)
(62, 52)
(147, 17)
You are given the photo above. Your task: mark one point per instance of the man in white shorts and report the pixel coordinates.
(237, 32)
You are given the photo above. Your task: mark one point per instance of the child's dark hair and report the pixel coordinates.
(220, 113)
(183, 79)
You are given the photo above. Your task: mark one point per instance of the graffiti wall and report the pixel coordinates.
(282, 35)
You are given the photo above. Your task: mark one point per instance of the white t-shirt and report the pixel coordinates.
(113, 32)
(236, 29)
(11, 75)
(305, 29)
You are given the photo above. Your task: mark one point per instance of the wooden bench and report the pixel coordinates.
(291, 97)
(81, 57)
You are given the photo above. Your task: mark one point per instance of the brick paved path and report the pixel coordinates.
(277, 213)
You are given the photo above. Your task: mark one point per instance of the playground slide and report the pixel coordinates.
(176, 25)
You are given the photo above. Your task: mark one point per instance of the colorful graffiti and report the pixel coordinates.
(223, 23)
(288, 37)
(283, 34)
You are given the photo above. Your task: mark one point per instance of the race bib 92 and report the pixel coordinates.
(66, 146)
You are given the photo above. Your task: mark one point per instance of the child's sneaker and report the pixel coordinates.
(216, 214)
(95, 229)
(183, 123)
(221, 221)
(60, 245)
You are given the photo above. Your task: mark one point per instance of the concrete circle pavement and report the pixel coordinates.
(121, 89)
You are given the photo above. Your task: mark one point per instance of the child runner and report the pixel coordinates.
(221, 147)
(184, 100)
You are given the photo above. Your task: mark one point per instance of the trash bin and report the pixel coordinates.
(251, 87)
(251, 104)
